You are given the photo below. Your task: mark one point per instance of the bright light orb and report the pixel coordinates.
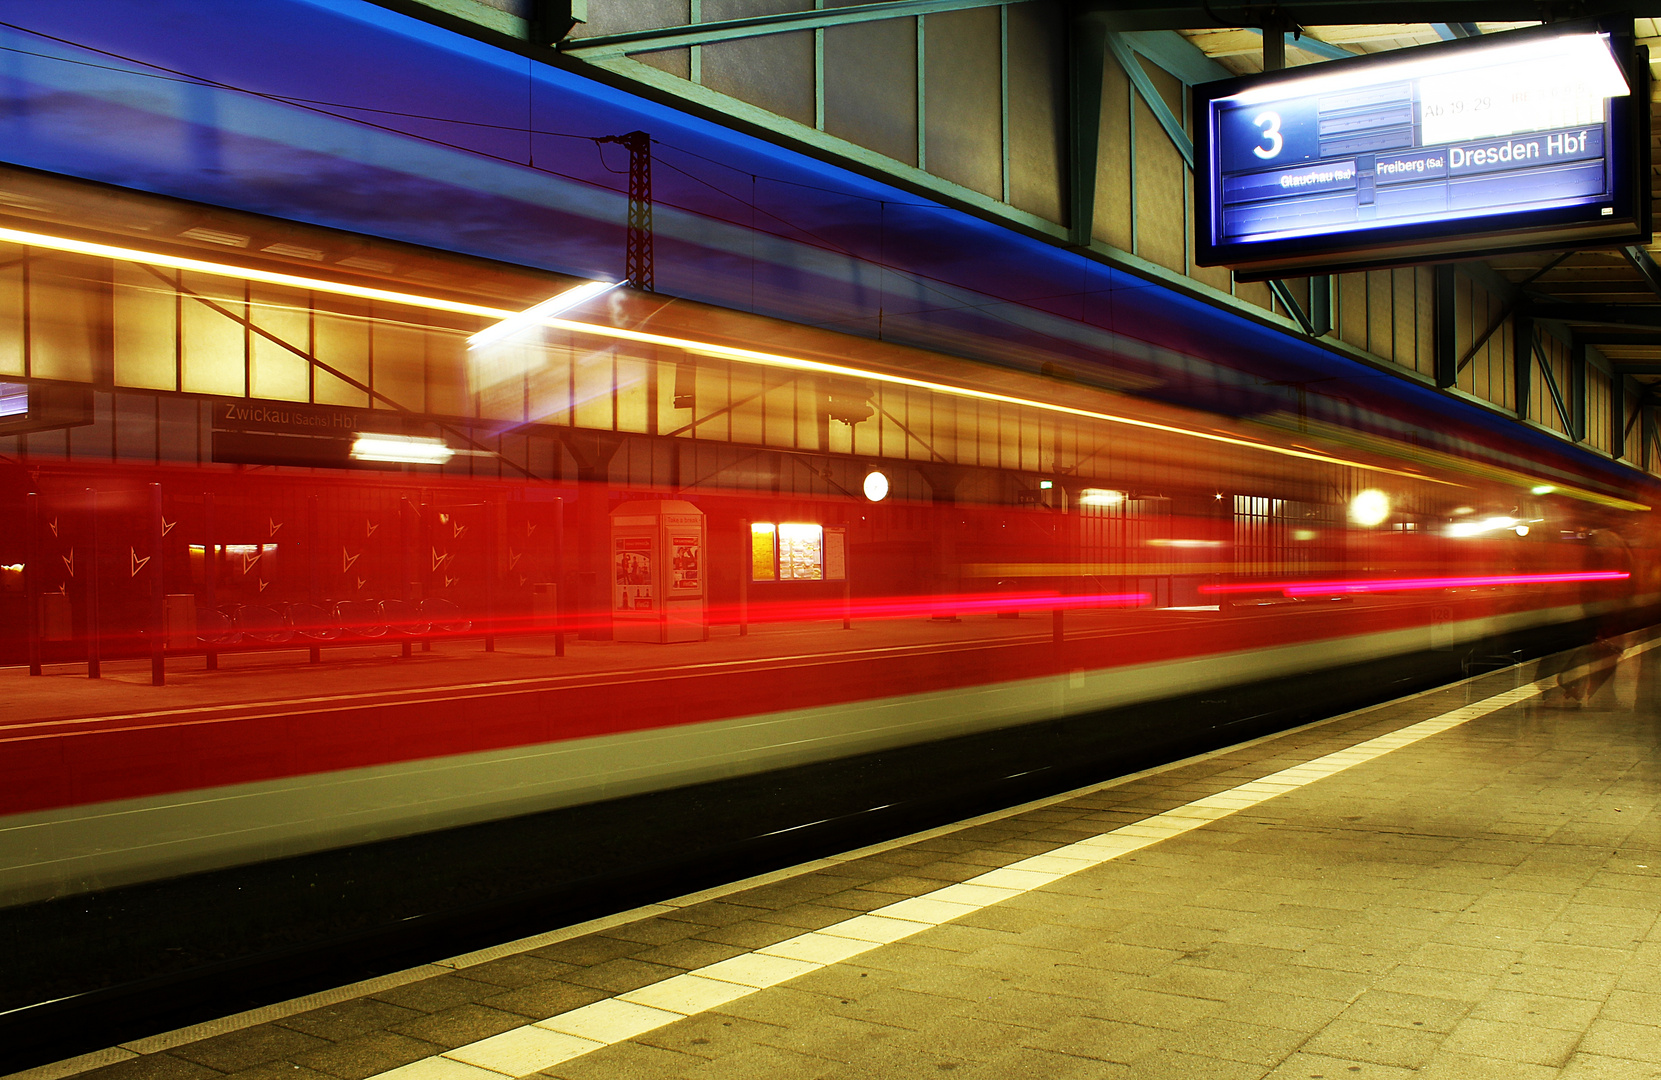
(876, 486)
(1521, 530)
(1370, 508)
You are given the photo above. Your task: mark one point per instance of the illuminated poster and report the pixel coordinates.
(634, 573)
(801, 552)
(763, 553)
(683, 563)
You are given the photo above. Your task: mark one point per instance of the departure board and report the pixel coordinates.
(1526, 132)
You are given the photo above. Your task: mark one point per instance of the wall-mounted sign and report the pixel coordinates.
(252, 432)
(1530, 139)
(288, 418)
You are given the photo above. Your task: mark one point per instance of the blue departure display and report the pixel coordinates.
(1366, 152)
(1335, 162)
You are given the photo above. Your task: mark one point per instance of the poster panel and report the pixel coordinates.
(836, 554)
(801, 552)
(683, 564)
(633, 561)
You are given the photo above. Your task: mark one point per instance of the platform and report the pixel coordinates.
(1461, 884)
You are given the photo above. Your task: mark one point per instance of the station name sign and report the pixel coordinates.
(1529, 139)
(286, 418)
(252, 432)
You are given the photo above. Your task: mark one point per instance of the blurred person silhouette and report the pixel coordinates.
(1582, 672)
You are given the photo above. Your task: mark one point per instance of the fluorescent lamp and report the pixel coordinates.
(404, 449)
(1100, 497)
(534, 315)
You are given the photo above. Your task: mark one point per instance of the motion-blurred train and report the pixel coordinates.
(810, 547)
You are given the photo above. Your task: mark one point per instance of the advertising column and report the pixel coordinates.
(658, 571)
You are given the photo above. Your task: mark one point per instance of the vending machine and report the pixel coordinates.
(659, 571)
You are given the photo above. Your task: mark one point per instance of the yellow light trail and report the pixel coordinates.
(751, 356)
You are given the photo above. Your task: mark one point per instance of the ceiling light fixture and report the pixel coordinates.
(401, 449)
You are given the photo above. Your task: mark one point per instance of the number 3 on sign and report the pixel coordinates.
(1272, 141)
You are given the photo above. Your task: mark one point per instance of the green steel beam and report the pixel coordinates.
(1086, 59)
(1522, 361)
(1293, 308)
(1641, 262)
(612, 46)
(922, 95)
(1577, 392)
(1563, 411)
(1151, 98)
(1003, 100)
(1444, 343)
(1617, 415)
(1320, 305)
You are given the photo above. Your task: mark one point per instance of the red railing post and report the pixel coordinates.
(31, 581)
(158, 598)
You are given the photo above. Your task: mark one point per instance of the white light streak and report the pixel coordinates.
(1485, 525)
(539, 313)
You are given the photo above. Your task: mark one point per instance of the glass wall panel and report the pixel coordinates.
(146, 329)
(215, 341)
(67, 316)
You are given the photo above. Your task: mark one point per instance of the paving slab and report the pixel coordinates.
(1465, 883)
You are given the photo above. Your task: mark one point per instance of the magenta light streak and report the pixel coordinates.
(910, 607)
(1327, 588)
